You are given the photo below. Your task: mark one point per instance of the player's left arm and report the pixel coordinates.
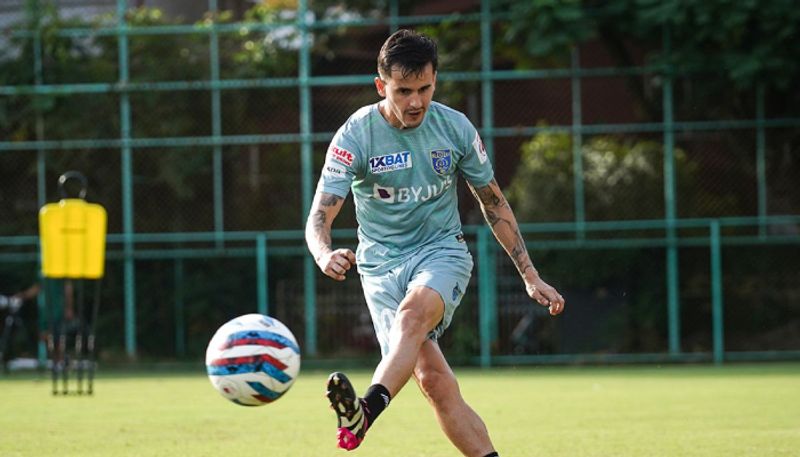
(504, 225)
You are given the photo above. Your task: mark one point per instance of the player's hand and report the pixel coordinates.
(336, 263)
(545, 295)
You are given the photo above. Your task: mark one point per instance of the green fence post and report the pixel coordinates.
(180, 318)
(41, 169)
(394, 11)
(487, 91)
(577, 146)
(716, 293)
(38, 75)
(127, 183)
(487, 85)
(761, 161)
(216, 127)
(487, 293)
(673, 303)
(262, 278)
(307, 163)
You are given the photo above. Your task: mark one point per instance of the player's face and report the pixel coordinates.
(406, 100)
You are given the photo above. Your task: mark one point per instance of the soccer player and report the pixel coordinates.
(401, 157)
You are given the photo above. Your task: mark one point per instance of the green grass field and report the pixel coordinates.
(736, 410)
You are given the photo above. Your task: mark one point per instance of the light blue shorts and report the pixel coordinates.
(445, 269)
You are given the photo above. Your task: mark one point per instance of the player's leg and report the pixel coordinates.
(460, 423)
(408, 305)
(417, 314)
(436, 281)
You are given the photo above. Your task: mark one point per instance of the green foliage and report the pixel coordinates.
(172, 173)
(622, 177)
(547, 29)
(258, 54)
(747, 41)
(458, 48)
(458, 51)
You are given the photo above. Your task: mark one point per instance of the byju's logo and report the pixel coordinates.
(409, 194)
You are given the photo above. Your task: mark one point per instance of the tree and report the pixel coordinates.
(747, 42)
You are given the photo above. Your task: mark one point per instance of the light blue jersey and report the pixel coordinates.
(403, 181)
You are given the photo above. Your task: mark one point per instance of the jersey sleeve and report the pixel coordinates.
(341, 163)
(475, 165)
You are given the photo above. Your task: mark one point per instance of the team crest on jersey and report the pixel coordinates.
(390, 162)
(441, 160)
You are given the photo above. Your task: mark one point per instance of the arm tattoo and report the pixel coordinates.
(318, 220)
(317, 233)
(519, 255)
(496, 211)
(491, 202)
(329, 199)
(319, 217)
(486, 195)
(491, 216)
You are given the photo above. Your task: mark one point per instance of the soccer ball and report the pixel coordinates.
(253, 360)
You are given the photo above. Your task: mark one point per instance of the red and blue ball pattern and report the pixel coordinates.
(253, 360)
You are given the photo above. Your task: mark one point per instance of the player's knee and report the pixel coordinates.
(438, 387)
(420, 311)
(414, 321)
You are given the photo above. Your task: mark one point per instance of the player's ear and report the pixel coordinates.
(380, 86)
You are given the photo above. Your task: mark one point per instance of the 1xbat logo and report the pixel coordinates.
(390, 162)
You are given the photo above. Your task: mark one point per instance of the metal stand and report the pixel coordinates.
(79, 356)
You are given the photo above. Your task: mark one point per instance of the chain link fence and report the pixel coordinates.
(203, 136)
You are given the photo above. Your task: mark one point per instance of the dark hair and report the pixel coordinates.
(407, 51)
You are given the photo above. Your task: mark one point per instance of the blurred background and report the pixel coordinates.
(649, 149)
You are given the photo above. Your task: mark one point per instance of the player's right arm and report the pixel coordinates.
(333, 262)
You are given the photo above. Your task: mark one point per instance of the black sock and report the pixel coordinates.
(492, 454)
(377, 399)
